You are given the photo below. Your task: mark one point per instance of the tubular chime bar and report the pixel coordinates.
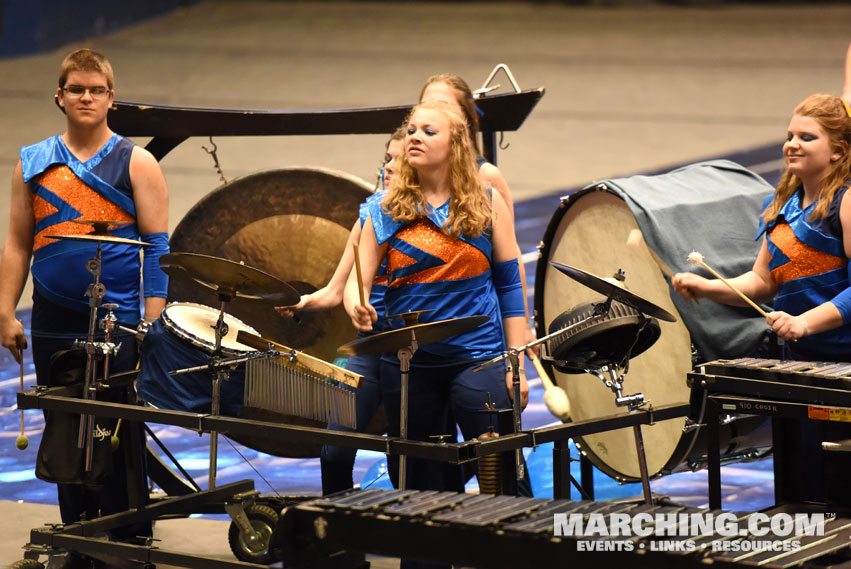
(285, 385)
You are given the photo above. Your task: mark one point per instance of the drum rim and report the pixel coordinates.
(687, 441)
(196, 341)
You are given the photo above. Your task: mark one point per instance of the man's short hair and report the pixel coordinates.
(86, 60)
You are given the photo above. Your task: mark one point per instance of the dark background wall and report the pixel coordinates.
(30, 26)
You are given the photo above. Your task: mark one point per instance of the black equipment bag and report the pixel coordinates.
(59, 460)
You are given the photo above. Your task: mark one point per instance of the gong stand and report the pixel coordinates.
(94, 350)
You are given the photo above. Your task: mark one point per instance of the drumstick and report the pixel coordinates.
(113, 441)
(696, 258)
(22, 441)
(357, 271)
(555, 397)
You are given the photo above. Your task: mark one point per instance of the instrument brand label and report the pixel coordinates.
(688, 531)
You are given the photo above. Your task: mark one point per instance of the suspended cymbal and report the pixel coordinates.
(101, 238)
(425, 333)
(612, 290)
(234, 279)
(182, 277)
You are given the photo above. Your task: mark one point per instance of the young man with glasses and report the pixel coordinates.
(86, 173)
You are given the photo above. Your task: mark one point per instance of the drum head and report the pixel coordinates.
(195, 323)
(291, 223)
(589, 231)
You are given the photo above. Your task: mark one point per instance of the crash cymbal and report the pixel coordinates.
(98, 237)
(615, 291)
(425, 333)
(231, 278)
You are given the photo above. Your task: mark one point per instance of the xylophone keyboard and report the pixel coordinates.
(819, 374)
(510, 532)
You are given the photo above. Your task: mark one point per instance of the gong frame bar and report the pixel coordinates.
(169, 126)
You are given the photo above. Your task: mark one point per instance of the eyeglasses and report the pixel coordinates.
(97, 92)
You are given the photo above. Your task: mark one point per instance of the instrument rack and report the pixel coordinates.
(168, 127)
(762, 392)
(79, 536)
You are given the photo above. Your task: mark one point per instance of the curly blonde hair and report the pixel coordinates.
(469, 204)
(832, 116)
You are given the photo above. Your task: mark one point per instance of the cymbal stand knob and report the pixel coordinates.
(108, 325)
(220, 328)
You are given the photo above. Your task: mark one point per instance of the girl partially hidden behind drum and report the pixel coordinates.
(803, 261)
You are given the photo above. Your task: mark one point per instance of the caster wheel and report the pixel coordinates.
(263, 519)
(26, 564)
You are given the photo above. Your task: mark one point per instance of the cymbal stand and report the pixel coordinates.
(221, 368)
(95, 291)
(404, 354)
(514, 361)
(221, 373)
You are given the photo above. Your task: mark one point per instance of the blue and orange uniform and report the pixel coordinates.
(63, 189)
(453, 277)
(809, 265)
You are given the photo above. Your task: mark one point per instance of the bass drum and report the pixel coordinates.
(589, 231)
(293, 224)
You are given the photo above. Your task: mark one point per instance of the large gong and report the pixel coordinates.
(292, 223)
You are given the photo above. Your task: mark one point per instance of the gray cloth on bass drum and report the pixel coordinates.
(711, 207)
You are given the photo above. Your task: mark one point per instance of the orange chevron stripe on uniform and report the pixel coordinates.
(805, 260)
(62, 182)
(461, 260)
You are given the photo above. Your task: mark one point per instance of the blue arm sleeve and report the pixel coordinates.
(509, 291)
(155, 280)
(842, 301)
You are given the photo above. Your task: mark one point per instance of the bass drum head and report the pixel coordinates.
(291, 223)
(589, 231)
